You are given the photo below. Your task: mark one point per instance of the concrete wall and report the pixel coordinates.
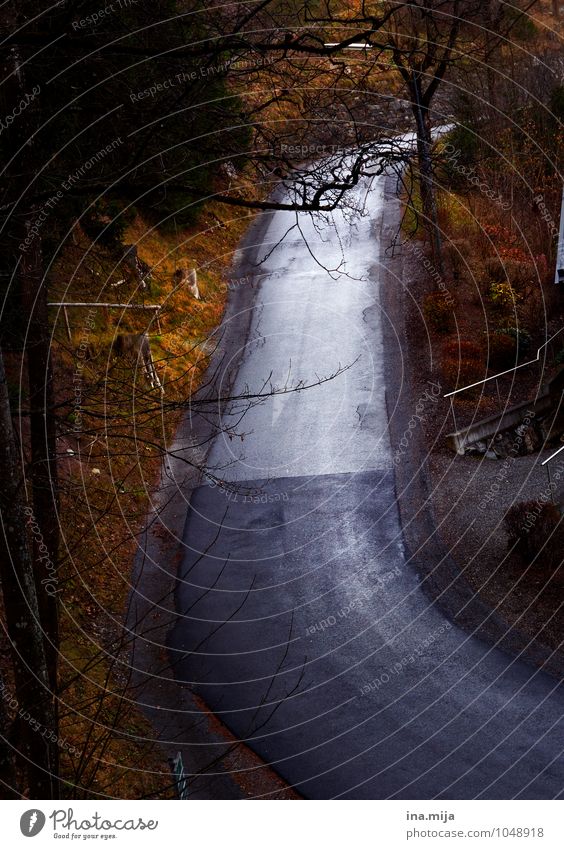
(488, 427)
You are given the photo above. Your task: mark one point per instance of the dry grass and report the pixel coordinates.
(107, 479)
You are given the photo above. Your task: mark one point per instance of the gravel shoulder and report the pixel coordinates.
(458, 551)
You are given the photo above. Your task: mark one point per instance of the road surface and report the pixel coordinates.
(300, 623)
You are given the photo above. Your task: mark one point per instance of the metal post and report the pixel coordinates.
(550, 483)
(67, 323)
(180, 777)
(547, 464)
(453, 416)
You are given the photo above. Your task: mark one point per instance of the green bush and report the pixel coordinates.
(106, 222)
(522, 339)
(501, 294)
(503, 300)
(522, 26)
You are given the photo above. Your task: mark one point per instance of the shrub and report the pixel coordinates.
(519, 274)
(461, 372)
(458, 153)
(502, 351)
(557, 102)
(522, 339)
(506, 346)
(536, 528)
(463, 349)
(503, 297)
(455, 254)
(437, 310)
(494, 272)
(462, 362)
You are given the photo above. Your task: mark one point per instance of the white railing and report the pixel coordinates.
(507, 371)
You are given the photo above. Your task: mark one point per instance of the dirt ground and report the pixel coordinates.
(470, 495)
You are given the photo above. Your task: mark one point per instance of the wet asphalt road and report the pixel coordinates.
(301, 624)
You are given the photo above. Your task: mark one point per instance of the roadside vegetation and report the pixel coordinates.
(166, 130)
(489, 307)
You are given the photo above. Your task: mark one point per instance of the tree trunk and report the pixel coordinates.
(425, 167)
(29, 264)
(43, 444)
(35, 723)
(8, 789)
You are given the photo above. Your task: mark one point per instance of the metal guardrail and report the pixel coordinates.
(156, 308)
(556, 453)
(354, 45)
(552, 456)
(103, 304)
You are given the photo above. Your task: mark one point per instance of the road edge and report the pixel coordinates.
(440, 577)
(181, 721)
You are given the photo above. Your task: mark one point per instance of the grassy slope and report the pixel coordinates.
(106, 481)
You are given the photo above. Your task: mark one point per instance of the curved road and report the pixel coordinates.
(300, 623)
